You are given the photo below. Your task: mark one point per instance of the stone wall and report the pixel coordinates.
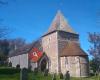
(76, 65)
(68, 64)
(63, 66)
(50, 47)
(53, 45)
(63, 38)
(71, 65)
(84, 66)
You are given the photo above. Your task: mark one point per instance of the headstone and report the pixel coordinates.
(46, 72)
(10, 64)
(24, 74)
(67, 76)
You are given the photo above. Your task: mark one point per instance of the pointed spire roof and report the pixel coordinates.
(61, 24)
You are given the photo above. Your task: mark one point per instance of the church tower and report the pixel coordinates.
(61, 45)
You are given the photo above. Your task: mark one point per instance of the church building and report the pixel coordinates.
(58, 50)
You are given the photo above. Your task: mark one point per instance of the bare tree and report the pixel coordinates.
(17, 43)
(3, 31)
(94, 39)
(4, 49)
(3, 2)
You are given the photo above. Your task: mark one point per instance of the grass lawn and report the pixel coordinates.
(49, 77)
(39, 76)
(10, 77)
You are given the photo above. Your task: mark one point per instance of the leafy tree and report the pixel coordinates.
(93, 65)
(94, 39)
(4, 49)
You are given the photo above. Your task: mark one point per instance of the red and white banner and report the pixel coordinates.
(35, 54)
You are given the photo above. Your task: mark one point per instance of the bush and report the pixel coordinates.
(61, 75)
(35, 71)
(9, 71)
(54, 76)
(92, 74)
(3, 63)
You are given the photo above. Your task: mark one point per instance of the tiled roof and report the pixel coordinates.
(26, 49)
(60, 23)
(21, 50)
(72, 49)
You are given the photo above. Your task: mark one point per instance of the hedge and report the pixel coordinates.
(9, 71)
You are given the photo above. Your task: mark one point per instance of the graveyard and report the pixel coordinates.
(14, 74)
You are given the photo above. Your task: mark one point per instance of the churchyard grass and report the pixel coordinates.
(10, 77)
(39, 76)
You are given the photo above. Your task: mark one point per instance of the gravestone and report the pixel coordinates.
(46, 72)
(24, 74)
(67, 76)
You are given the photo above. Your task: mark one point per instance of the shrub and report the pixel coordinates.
(91, 74)
(35, 71)
(61, 75)
(3, 63)
(9, 71)
(54, 76)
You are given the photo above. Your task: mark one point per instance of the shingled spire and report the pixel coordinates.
(61, 24)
